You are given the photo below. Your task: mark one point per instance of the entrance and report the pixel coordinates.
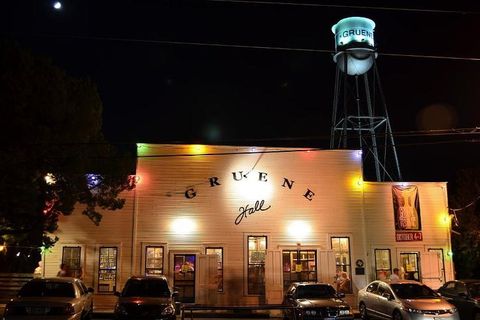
(409, 261)
(184, 277)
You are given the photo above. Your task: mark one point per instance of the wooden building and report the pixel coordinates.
(235, 225)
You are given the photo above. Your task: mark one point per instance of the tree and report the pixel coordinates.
(466, 224)
(52, 154)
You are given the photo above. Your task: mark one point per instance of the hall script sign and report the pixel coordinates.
(259, 205)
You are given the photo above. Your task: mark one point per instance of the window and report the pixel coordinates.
(219, 252)
(257, 251)
(372, 287)
(107, 270)
(299, 265)
(341, 249)
(383, 264)
(153, 260)
(71, 258)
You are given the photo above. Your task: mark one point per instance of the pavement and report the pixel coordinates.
(105, 312)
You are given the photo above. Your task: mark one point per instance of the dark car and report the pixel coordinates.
(315, 301)
(145, 298)
(465, 295)
(51, 298)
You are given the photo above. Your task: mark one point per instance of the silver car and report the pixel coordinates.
(403, 300)
(51, 298)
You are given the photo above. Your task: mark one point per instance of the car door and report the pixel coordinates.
(86, 297)
(462, 300)
(385, 301)
(370, 298)
(289, 301)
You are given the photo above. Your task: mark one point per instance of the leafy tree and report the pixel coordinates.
(51, 127)
(466, 224)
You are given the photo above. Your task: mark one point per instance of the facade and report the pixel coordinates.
(236, 225)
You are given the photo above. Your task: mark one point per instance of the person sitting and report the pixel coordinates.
(343, 283)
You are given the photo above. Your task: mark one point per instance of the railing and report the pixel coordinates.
(196, 307)
(10, 284)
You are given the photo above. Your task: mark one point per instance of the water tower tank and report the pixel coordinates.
(354, 42)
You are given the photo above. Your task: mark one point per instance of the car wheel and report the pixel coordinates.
(363, 311)
(397, 315)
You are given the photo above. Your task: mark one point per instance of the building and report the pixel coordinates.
(235, 225)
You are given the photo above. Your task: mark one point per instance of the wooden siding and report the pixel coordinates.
(340, 207)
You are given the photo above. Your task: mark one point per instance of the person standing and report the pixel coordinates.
(63, 272)
(394, 277)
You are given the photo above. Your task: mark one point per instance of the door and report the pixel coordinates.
(432, 271)
(184, 276)
(273, 277)
(410, 263)
(207, 279)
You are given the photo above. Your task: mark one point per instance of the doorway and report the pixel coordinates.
(410, 263)
(184, 276)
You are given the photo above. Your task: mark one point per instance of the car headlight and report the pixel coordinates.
(311, 312)
(169, 310)
(411, 310)
(344, 312)
(453, 310)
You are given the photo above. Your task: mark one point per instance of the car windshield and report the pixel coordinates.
(315, 291)
(47, 289)
(474, 289)
(412, 291)
(146, 288)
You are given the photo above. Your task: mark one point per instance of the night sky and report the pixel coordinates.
(251, 73)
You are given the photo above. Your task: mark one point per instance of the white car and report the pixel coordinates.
(403, 300)
(51, 298)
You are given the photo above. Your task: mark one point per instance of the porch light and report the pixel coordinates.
(183, 226)
(299, 229)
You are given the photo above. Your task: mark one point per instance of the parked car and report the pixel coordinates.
(315, 301)
(465, 295)
(404, 300)
(51, 298)
(145, 298)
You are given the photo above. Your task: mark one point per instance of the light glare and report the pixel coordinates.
(57, 5)
(183, 226)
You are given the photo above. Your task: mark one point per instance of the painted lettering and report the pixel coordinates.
(214, 182)
(262, 176)
(309, 195)
(190, 193)
(246, 210)
(288, 182)
(241, 176)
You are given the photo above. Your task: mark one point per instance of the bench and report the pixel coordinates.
(10, 284)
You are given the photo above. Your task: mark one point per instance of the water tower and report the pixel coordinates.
(357, 121)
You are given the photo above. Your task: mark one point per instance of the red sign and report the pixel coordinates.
(409, 236)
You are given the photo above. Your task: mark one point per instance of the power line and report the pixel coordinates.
(242, 46)
(305, 4)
